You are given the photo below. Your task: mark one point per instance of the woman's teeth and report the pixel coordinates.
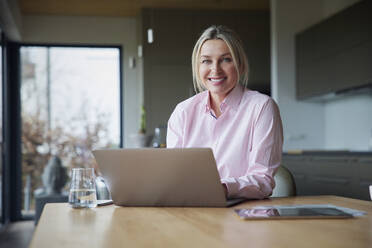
(214, 80)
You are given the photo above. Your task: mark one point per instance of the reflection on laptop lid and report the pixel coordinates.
(177, 177)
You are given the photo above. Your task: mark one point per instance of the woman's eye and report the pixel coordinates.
(227, 59)
(205, 61)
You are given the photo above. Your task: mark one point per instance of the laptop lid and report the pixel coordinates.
(183, 177)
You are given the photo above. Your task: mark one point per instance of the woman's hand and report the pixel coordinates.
(224, 189)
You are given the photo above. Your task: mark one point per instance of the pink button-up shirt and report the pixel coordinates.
(246, 138)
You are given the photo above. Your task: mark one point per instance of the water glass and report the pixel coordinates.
(83, 188)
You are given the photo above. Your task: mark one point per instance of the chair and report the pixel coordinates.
(284, 183)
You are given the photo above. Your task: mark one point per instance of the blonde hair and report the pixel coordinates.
(235, 46)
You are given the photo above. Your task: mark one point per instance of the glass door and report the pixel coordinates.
(70, 105)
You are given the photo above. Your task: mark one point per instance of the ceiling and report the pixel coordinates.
(129, 8)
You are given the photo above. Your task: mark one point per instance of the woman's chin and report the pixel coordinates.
(215, 89)
(217, 84)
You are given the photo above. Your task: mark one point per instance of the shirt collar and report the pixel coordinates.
(232, 100)
(207, 102)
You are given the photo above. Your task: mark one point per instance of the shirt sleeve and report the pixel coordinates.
(175, 129)
(264, 156)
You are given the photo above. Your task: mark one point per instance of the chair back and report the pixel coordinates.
(284, 183)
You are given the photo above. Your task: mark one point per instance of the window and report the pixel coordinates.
(70, 104)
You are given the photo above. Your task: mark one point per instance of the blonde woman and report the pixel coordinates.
(243, 127)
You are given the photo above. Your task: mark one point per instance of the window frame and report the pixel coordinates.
(13, 195)
(3, 218)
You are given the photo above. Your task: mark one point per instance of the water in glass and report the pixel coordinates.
(83, 188)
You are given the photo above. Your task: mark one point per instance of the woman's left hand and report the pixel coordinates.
(225, 189)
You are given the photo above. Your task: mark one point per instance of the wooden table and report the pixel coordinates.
(111, 226)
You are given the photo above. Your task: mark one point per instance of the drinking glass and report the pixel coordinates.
(83, 188)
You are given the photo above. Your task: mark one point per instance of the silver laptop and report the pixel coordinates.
(179, 177)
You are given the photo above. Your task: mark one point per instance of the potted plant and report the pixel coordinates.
(143, 121)
(140, 139)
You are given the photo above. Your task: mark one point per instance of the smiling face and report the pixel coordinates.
(216, 68)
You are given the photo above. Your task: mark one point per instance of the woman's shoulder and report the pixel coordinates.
(258, 103)
(255, 98)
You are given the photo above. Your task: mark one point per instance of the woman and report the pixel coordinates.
(243, 127)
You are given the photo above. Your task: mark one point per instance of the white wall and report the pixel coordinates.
(101, 31)
(340, 124)
(349, 123)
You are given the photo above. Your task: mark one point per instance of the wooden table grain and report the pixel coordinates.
(112, 226)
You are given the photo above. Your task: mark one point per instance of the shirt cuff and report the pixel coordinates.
(231, 186)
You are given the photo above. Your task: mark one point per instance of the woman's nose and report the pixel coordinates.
(216, 66)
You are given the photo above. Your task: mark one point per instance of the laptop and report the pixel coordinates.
(176, 177)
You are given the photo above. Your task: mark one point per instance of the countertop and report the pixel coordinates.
(328, 153)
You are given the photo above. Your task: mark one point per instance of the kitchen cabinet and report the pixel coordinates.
(346, 174)
(363, 171)
(334, 56)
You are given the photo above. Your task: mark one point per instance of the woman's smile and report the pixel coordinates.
(217, 80)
